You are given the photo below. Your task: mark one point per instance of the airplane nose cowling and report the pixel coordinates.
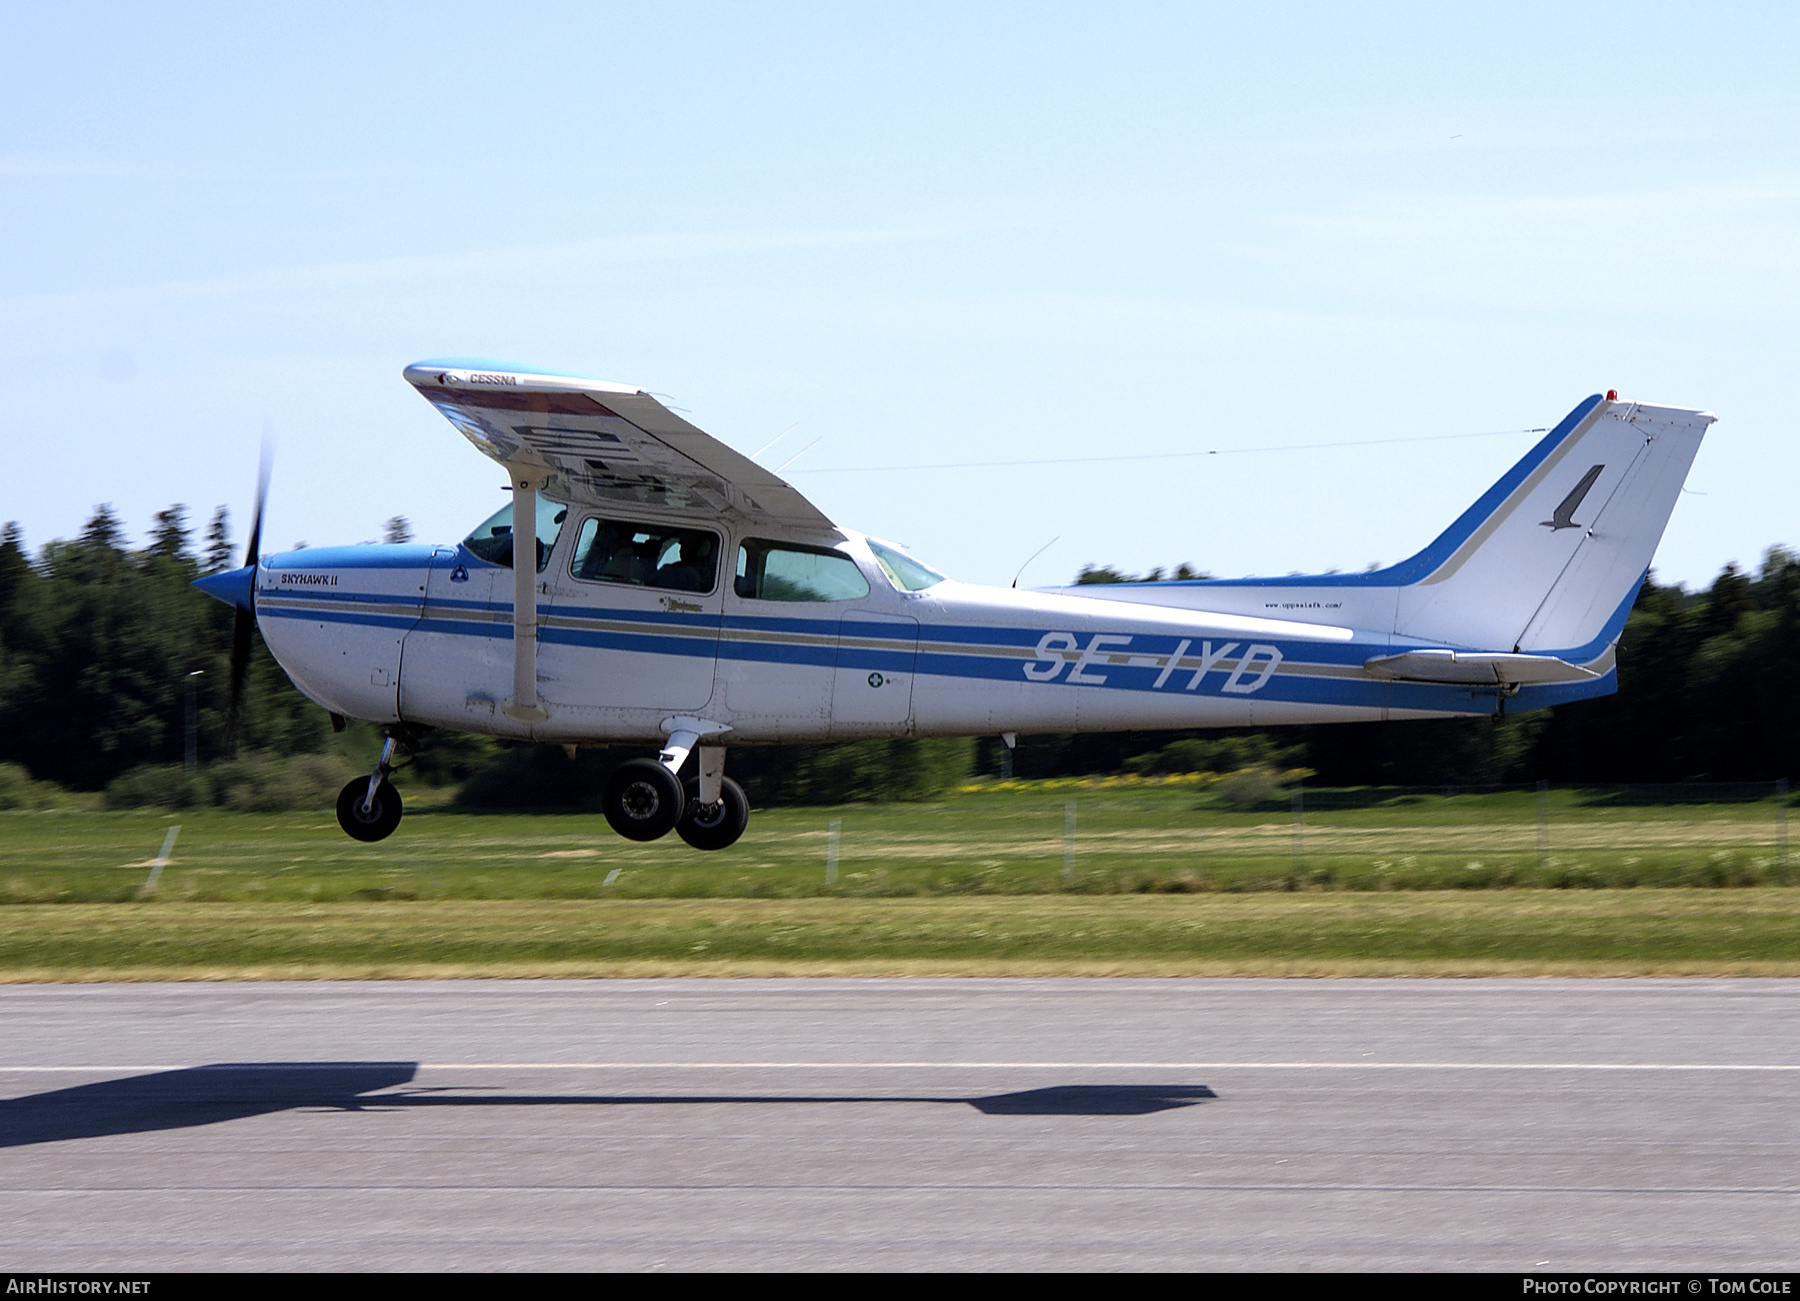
(232, 586)
(334, 618)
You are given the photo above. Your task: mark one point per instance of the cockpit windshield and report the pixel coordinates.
(493, 541)
(905, 573)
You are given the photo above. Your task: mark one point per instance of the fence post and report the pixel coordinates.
(1543, 828)
(1299, 807)
(190, 751)
(1069, 843)
(1781, 806)
(831, 851)
(159, 862)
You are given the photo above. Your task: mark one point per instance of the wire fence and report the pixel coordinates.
(1169, 838)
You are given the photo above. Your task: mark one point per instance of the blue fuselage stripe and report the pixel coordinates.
(1310, 673)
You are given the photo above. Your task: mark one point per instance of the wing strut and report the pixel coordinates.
(524, 707)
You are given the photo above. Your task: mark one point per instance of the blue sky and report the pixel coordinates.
(909, 236)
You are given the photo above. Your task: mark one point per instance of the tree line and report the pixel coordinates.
(103, 647)
(1709, 690)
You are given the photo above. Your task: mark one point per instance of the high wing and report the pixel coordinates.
(605, 443)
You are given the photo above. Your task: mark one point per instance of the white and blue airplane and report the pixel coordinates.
(681, 595)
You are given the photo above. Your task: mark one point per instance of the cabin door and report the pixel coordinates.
(634, 618)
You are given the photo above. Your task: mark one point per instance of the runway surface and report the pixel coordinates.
(902, 1124)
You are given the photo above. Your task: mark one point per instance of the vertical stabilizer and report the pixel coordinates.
(1553, 553)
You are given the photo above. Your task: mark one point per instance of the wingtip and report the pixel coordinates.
(482, 372)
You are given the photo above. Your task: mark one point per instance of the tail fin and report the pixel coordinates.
(1546, 562)
(1550, 558)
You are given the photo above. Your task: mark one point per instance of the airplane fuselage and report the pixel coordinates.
(424, 636)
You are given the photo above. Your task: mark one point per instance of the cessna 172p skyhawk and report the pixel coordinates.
(677, 593)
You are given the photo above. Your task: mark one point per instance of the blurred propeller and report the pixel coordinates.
(244, 624)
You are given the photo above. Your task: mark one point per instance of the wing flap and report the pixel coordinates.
(605, 443)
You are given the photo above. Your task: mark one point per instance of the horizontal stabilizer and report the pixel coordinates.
(1481, 668)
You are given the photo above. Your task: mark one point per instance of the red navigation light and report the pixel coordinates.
(1612, 395)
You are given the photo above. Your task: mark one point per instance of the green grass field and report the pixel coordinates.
(1161, 881)
(1467, 933)
(1129, 838)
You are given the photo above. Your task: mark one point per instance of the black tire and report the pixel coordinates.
(717, 826)
(643, 800)
(382, 816)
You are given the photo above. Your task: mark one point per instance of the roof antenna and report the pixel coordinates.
(1033, 556)
(797, 455)
(778, 437)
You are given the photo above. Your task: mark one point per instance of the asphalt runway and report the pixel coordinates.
(902, 1124)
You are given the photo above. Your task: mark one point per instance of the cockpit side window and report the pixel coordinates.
(900, 569)
(645, 555)
(782, 571)
(493, 541)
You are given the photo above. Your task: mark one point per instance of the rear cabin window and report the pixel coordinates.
(645, 555)
(780, 571)
(493, 541)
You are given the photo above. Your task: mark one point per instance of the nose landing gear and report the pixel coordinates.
(368, 809)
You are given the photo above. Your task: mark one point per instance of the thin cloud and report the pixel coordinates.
(566, 257)
(27, 165)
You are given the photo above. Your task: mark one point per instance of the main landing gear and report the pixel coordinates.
(715, 825)
(368, 809)
(645, 800)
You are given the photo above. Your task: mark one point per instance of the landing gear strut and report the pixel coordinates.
(717, 811)
(368, 809)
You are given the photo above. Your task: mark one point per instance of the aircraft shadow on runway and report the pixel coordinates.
(208, 1095)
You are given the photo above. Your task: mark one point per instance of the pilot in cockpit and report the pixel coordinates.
(605, 558)
(693, 570)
